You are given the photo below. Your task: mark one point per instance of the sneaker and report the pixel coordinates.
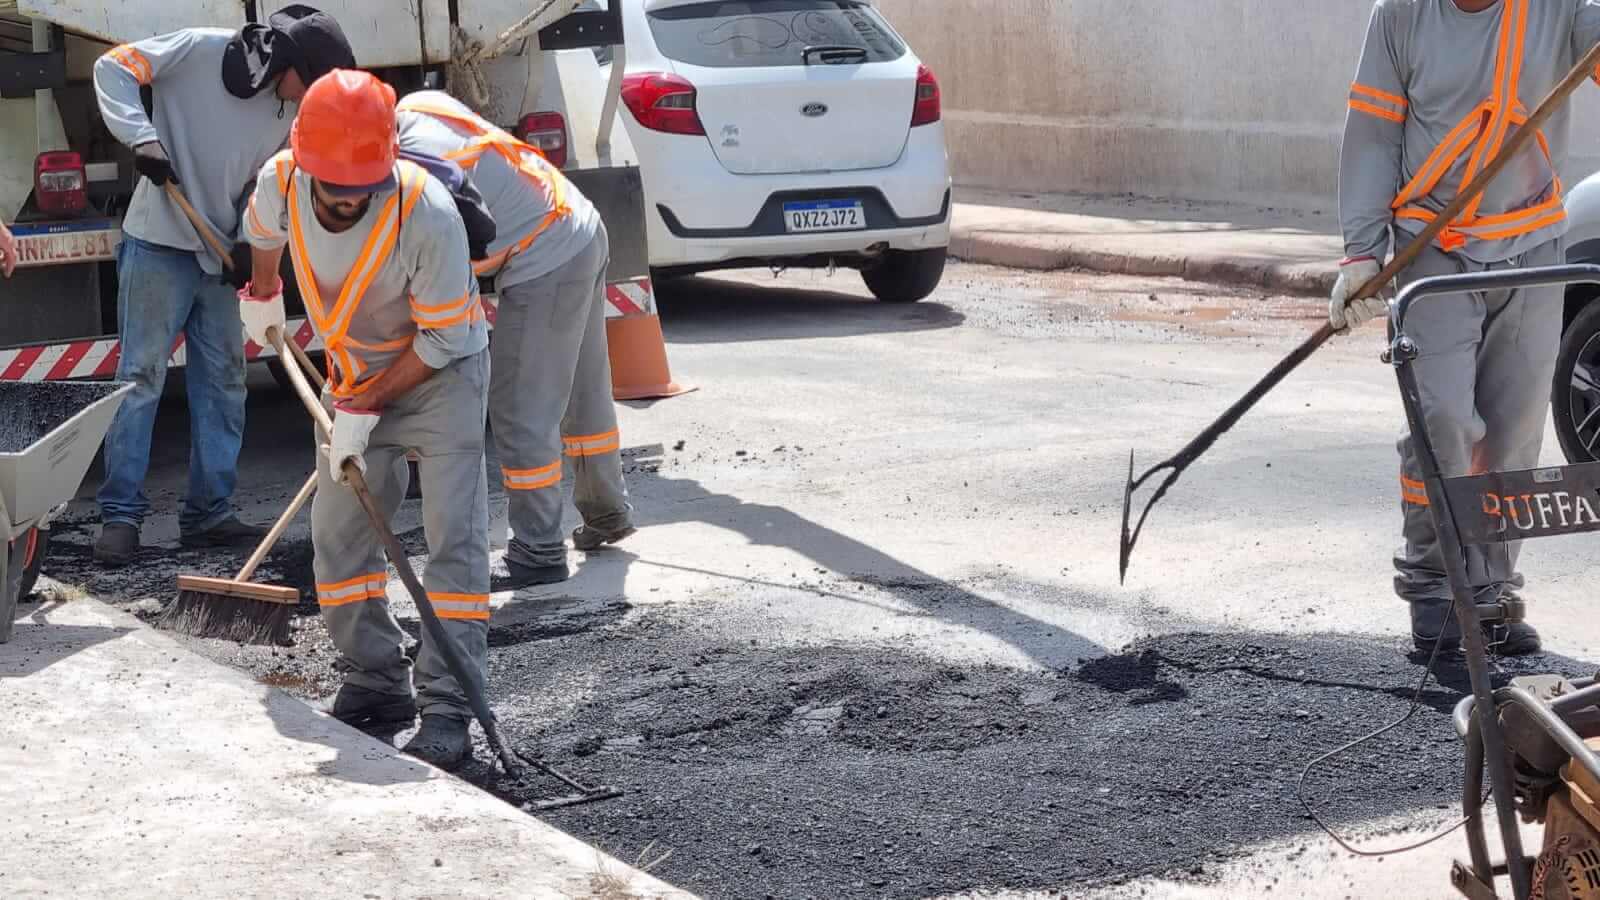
(361, 707)
(230, 532)
(442, 741)
(588, 539)
(118, 544)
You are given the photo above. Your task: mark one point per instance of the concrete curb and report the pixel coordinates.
(1053, 252)
(142, 770)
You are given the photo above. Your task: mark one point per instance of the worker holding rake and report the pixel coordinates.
(1440, 87)
(382, 259)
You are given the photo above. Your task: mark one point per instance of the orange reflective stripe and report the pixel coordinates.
(593, 444)
(131, 59)
(1378, 111)
(353, 590)
(470, 314)
(459, 606)
(1442, 158)
(1374, 93)
(1507, 74)
(450, 306)
(531, 479)
(1413, 491)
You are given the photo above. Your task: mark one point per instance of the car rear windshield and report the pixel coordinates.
(754, 33)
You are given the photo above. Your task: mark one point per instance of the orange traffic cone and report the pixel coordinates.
(637, 348)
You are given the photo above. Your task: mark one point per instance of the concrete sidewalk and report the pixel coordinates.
(1277, 250)
(130, 767)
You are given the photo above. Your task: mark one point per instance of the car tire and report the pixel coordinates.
(1576, 410)
(905, 276)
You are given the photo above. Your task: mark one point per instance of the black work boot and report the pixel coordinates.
(442, 741)
(589, 539)
(117, 545)
(520, 576)
(1430, 617)
(230, 532)
(365, 708)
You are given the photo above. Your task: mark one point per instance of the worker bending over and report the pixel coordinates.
(1440, 87)
(221, 109)
(551, 388)
(381, 258)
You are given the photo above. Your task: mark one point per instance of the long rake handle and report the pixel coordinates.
(1402, 260)
(453, 659)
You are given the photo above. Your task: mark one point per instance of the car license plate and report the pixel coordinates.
(824, 215)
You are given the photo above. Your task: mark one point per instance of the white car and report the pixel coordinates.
(786, 133)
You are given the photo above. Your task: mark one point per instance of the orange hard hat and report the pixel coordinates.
(344, 134)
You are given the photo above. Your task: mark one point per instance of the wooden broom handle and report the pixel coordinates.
(212, 241)
(278, 528)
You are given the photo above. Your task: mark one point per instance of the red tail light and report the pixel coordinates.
(662, 102)
(59, 183)
(547, 133)
(926, 108)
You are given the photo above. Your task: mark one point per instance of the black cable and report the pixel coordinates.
(1416, 704)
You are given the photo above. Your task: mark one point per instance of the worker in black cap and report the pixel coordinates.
(209, 135)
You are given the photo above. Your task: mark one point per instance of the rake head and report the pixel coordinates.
(1130, 536)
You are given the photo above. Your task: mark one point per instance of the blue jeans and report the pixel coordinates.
(163, 293)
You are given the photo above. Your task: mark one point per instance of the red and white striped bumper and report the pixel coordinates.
(98, 358)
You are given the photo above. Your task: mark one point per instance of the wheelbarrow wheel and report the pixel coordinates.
(33, 560)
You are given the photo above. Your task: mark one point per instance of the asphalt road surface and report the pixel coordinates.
(870, 640)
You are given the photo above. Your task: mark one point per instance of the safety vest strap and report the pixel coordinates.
(1483, 131)
(334, 323)
(521, 156)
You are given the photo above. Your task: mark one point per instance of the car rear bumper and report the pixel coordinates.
(700, 215)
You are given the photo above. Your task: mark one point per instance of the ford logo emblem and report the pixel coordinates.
(813, 110)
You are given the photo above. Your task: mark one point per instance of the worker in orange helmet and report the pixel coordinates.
(381, 257)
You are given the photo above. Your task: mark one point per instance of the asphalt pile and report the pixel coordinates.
(31, 410)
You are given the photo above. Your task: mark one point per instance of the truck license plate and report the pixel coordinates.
(824, 215)
(57, 243)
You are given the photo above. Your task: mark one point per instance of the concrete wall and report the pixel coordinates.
(1238, 100)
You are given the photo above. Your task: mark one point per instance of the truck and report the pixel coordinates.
(540, 69)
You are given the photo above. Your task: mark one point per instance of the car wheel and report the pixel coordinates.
(905, 276)
(1575, 394)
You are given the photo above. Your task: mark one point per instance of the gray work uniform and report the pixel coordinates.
(1438, 91)
(216, 141)
(551, 388)
(420, 294)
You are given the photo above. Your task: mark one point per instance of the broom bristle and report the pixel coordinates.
(208, 615)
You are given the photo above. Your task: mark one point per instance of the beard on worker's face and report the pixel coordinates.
(347, 215)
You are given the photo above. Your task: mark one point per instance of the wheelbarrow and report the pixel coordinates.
(1536, 737)
(49, 434)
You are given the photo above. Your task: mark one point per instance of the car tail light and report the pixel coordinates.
(59, 183)
(926, 108)
(547, 133)
(662, 102)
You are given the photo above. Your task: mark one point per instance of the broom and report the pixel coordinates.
(236, 609)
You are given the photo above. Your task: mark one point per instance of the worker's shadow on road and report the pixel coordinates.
(714, 311)
(868, 572)
(358, 758)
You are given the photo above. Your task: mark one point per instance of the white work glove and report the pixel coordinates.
(351, 430)
(261, 313)
(1344, 313)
